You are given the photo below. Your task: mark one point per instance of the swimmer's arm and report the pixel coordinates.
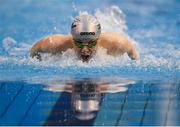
(118, 44)
(126, 46)
(131, 50)
(51, 44)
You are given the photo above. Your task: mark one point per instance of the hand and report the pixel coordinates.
(36, 55)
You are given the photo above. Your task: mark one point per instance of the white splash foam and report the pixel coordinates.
(112, 19)
(8, 44)
(12, 48)
(102, 59)
(68, 59)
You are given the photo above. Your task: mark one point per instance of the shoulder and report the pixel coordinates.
(59, 36)
(112, 36)
(109, 38)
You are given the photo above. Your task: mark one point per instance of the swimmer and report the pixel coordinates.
(85, 39)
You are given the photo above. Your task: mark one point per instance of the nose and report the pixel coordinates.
(85, 50)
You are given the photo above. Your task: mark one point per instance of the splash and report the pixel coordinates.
(12, 48)
(112, 19)
(154, 57)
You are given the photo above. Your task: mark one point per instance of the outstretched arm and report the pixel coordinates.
(51, 44)
(116, 44)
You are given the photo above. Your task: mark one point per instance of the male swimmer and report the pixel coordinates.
(85, 39)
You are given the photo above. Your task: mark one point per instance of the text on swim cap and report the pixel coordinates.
(87, 33)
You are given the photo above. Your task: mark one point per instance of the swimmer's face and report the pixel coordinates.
(85, 48)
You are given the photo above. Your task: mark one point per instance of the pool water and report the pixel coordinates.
(56, 90)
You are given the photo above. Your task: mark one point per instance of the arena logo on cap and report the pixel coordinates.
(87, 33)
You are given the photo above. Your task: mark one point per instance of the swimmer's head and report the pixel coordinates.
(85, 26)
(85, 31)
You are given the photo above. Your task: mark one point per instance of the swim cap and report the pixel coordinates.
(85, 26)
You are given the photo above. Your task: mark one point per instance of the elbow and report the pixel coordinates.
(134, 54)
(35, 53)
(35, 50)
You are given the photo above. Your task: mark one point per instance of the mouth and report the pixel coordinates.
(85, 58)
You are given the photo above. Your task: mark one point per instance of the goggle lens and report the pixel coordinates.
(91, 44)
(80, 44)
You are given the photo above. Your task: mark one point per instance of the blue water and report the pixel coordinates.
(153, 25)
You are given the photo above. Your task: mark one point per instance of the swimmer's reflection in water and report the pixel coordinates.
(86, 97)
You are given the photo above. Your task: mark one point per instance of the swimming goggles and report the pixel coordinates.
(80, 44)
